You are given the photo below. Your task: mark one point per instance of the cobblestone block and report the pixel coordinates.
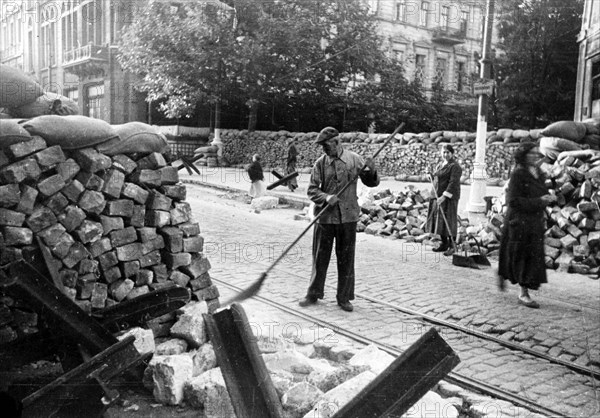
(99, 247)
(57, 203)
(51, 185)
(161, 273)
(10, 195)
(68, 277)
(177, 192)
(179, 278)
(111, 223)
(62, 246)
(157, 218)
(68, 169)
(73, 190)
(50, 158)
(87, 265)
(27, 201)
(23, 149)
(92, 202)
(177, 260)
(173, 238)
(99, 295)
(11, 218)
(193, 244)
(138, 217)
(146, 234)
(199, 264)
(14, 235)
(21, 171)
(210, 292)
(108, 260)
(92, 160)
(76, 253)
(112, 274)
(90, 181)
(143, 277)
(113, 183)
(137, 291)
(130, 268)
(71, 217)
(121, 288)
(52, 233)
(169, 175)
(150, 178)
(119, 207)
(152, 161)
(129, 252)
(201, 282)
(123, 236)
(150, 259)
(85, 286)
(158, 201)
(41, 218)
(135, 192)
(124, 163)
(157, 243)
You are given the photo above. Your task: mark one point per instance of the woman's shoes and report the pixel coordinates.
(527, 301)
(441, 248)
(449, 252)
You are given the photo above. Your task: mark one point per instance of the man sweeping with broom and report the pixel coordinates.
(337, 169)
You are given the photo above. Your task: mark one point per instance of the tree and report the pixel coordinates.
(193, 52)
(536, 68)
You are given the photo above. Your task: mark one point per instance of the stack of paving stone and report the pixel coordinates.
(397, 215)
(116, 226)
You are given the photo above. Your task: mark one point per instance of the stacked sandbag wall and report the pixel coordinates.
(106, 203)
(407, 158)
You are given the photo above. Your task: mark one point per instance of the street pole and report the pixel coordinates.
(476, 206)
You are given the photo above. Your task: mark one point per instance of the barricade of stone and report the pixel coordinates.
(117, 224)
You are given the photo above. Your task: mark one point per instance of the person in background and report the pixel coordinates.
(522, 258)
(292, 159)
(330, 173)
(446, 181)
(255, 172)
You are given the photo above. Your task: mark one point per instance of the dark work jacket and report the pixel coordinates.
(521, 258)
(329, 176)
(447, 179)
(255, 171)
(292, 155)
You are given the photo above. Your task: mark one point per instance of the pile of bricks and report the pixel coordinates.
(116, 227)
(572, 239)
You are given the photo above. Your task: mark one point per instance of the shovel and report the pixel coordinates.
(457, 260)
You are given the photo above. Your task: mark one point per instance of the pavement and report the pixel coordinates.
(241, 243)
(231, 178)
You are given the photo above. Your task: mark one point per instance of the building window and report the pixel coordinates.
(445, 16)
(401, 11)
(440, 72)
(464, 21)
(596, 81)
(48, 45)
(91, 22)
(69, 30)
(420, 68)
(461, 75)
(95, 102)
(72, 94)
(424, 15)
(399, 55)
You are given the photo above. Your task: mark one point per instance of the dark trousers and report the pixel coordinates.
(344, 236)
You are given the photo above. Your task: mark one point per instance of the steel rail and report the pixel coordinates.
(452, 377)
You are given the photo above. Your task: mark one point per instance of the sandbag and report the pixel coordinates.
(17, 88)
(134, 137)
(11, 132)
(567, 129)
(48, 104)
(70, 132)
(551, 146)
(206, 149)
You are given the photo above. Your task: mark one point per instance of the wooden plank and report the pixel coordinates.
(246, 376)
(405, 381)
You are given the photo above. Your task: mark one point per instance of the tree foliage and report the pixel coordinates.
(258, 52)
(537, 65)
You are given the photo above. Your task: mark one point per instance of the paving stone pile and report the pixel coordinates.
(116, 226)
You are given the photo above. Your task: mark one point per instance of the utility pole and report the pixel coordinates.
(483, 88)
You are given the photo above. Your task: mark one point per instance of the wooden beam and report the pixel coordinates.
(246, 376)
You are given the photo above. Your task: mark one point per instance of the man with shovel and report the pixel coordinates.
(331, 173)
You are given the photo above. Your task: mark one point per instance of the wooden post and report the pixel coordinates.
(405, 381)
(246, 376)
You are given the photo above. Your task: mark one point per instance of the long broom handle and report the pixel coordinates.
(338, 194)
(440, 210)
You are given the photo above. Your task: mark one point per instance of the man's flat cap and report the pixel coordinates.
(326, 134)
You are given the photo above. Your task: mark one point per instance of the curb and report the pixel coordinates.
(296, 202)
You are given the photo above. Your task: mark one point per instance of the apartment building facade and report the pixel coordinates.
(439, 42)
(587, 95)
(70, 47)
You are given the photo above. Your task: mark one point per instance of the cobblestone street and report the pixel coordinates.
(241, 244)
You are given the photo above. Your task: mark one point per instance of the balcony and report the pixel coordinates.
(86, 60)
(449, 36)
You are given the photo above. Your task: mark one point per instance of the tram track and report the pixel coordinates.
(453, 377)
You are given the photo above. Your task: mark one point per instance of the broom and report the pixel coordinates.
(254, 288)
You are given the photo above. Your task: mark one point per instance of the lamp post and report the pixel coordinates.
(476, 206)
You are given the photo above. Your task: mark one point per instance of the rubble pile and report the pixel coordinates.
(115, 222)
(311, 376)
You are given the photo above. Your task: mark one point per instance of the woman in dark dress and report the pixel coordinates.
(522, 248)
(447, 192)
